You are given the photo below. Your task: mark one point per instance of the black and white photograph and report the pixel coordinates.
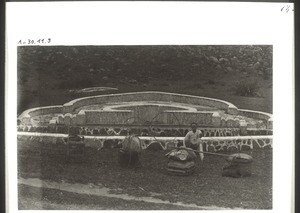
(146, 125)
(118, 127)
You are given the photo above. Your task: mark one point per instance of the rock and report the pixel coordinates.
(238, 165)
(214, 59)
(256, 65)
(229, 69)
(223, 60)
(239, 158)
(218, 67)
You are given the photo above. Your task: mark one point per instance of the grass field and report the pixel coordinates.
(204, 188)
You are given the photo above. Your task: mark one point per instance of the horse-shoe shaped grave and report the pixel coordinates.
(160, 120)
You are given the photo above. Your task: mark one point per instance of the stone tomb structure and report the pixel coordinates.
(153, 114)
(142, 108)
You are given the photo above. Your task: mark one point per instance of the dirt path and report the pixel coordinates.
(92, 189)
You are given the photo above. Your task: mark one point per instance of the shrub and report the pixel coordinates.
(247, 88)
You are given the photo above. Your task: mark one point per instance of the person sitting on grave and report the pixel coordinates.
(193, 139)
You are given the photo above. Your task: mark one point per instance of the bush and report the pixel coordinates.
(247, 88)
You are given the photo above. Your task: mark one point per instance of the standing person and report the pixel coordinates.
(193, 139)
(130, 152)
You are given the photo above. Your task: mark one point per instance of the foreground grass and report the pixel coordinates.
(32, 198)
(205, 187)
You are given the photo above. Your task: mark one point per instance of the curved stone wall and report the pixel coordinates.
(258, 115)
(150, 96)
(65, 114)
(26, 116)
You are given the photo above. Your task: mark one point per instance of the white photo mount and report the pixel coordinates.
(161, 23)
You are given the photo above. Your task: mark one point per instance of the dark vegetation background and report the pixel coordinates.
(238, 74)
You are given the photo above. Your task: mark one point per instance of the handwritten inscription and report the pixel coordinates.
(286, 9)
(39, 41)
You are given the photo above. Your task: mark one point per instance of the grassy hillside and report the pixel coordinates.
(239, 74)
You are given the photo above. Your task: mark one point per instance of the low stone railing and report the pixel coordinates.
(213, 144)
(137, 130)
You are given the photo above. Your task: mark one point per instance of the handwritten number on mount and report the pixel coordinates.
(286, 9)
(30, 41)
(34, 41)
